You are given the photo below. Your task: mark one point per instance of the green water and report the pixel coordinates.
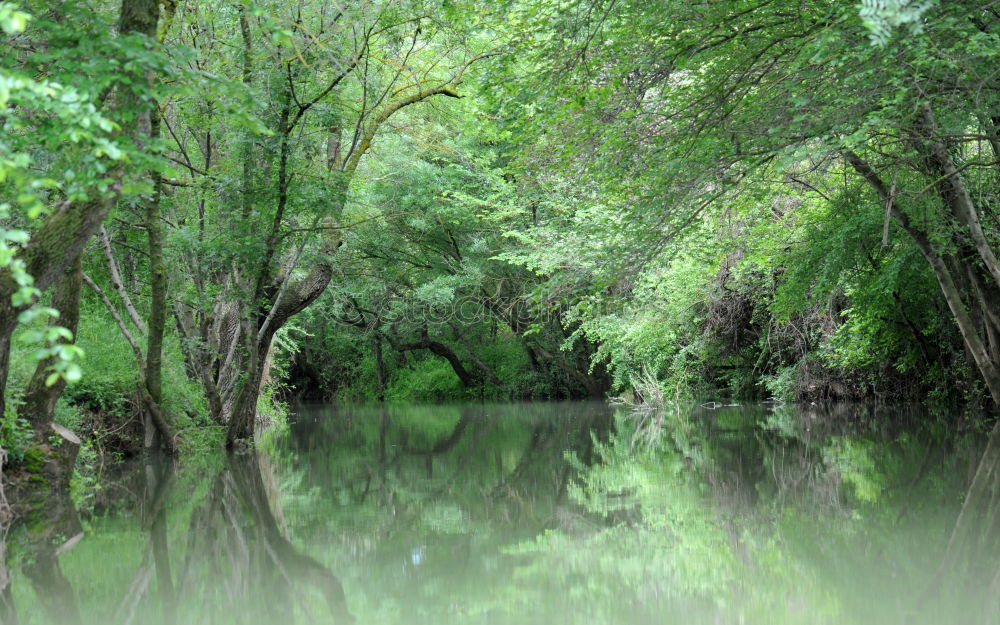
(535, 513)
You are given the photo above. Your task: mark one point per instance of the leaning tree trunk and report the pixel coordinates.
(289, 300)
(40, 398)
(956, 194)
(243, 420)
(437, 348)
(52, 248)
(940, 264)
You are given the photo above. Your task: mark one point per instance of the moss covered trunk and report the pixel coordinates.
(158, 302)
(40, 398)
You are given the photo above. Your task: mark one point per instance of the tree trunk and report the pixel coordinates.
(40, 398)
(970, 334)
(8, 322)
(440, 349)
(491, 376)
(988, 368)
(143, 17)
(61, 238)
(243, 421)
(956, 194)
(52, 248)
(259, 281)
(158, 304)
(288, 302)
(198, 363)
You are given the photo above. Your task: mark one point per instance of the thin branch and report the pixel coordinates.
(116, 280)
(118, 320)
(190, 167)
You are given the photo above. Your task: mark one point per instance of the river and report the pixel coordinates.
(548, 513)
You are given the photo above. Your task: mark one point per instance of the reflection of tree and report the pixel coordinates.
(773, 454)
(785, 512)
(234, 564)
(47, 527)
(970, 561)
(291, 564)
(541, 463)
(473, 455)
(158, 475)
(423, 500)
(252, 568)
(447, 443)
(385, 457)
(8, 611)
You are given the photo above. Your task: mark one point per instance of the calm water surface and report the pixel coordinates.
(535, 513)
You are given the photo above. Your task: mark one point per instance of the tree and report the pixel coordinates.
(85, 168)
(676, 118)
(331, 83)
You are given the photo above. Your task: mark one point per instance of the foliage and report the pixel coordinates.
(854, 462)
(16, 435)
(882, 17)
(529, 199)
(691, 206)
(39, 115)
(427, 380)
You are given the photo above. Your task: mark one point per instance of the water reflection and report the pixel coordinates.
(52, 531)
(559, 513)
(971, 558)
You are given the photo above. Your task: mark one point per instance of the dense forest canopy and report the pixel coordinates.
(211, 209)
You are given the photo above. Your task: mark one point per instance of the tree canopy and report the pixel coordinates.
(418, 200)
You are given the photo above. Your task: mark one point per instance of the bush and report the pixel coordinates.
(15, 434)
(430, 379)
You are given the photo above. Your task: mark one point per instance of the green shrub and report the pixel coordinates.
(784, 383)
(15, 434)
(430, 379)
